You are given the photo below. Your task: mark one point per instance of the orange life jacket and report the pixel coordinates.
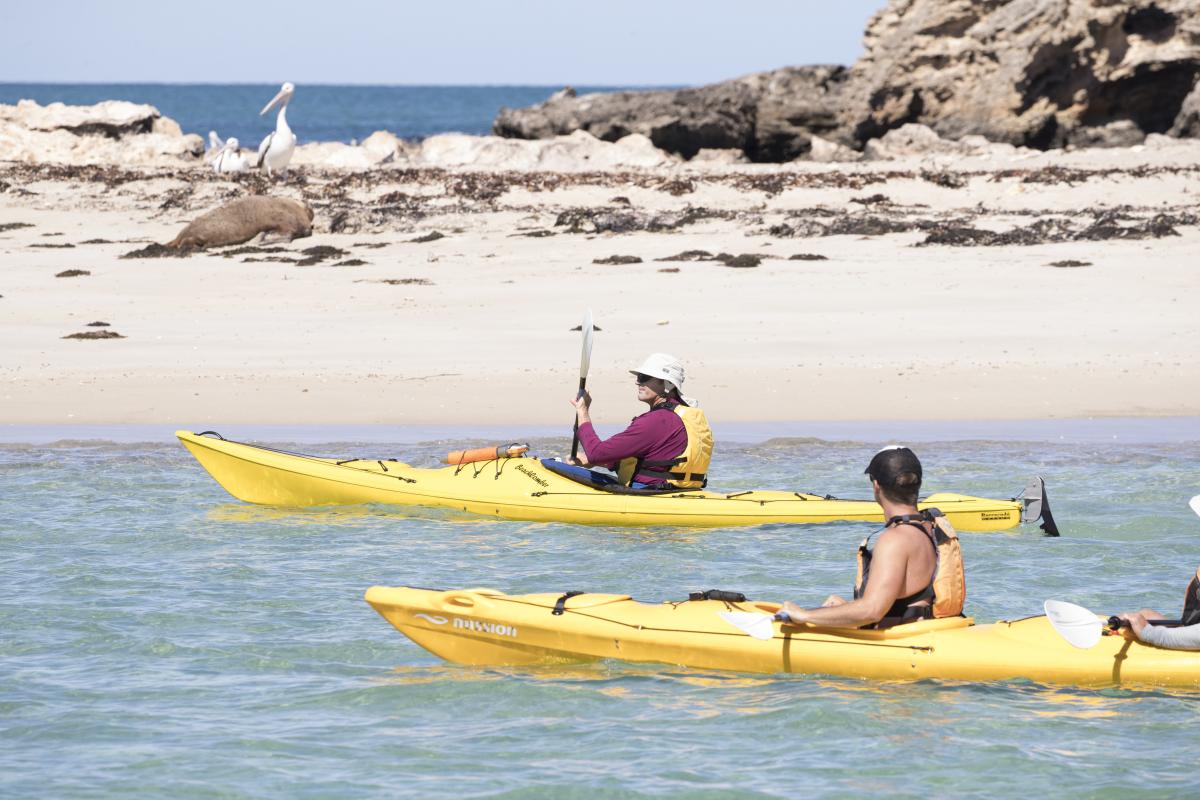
(947, 589)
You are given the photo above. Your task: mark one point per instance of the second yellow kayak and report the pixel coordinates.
(484, 626)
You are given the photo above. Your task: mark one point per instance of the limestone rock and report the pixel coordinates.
(1187, 124)
(578, 151)
(381, 147)
(1028, 72)
(721, 155)
(792, 103)
(112, 132)
(1033, 73)
(825, 151)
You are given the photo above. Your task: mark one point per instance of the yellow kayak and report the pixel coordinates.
(486, 627)
(531, 489)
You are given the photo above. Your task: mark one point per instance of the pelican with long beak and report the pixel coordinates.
(276, 150)
(229, 158)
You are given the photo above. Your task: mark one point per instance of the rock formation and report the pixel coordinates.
(1034, 73)
(112, 132)
(770, 116)
(1039, 73)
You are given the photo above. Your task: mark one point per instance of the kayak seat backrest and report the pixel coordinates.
(598, 480)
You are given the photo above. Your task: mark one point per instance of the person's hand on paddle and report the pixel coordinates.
(1136, 622)
(582, 403)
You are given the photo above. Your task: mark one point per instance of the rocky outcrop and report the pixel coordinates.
(1033, 73)
(1187, 124)
(578, 151)
(770, 116)
(1040, 73)
(112, 132)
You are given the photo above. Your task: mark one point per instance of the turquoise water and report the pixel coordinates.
(158, 639)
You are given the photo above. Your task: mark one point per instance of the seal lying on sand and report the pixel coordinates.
(245, 218)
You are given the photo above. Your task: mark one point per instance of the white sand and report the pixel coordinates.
(881, 330)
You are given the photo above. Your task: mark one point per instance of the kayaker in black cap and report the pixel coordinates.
(915, 569)
(1186, 637)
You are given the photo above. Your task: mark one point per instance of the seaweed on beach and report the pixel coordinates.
(94, 335)
(52, 245)
(1070, 262)
(97, 324)
(252, 250)
(538, 234)
(608, 220)
(155, 250)
(807, 257)
(319, 254)
(96, 241)
(72, 273)
(1104, 226)
(398, 281)
(618, 260)
(432, 236)
(351, 262)
(12, 226)
(689, 255)
(743, 261)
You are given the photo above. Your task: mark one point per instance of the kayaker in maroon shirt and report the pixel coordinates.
(668, 446)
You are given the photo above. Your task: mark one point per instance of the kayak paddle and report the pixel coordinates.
(760, 626)
(1083, 629)
(1194, 503)
(585, 361)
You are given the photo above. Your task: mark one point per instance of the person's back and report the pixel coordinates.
(915, 570)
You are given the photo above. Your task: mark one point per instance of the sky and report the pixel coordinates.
(391, 42)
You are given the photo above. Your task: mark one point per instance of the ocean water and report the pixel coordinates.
(316, 113)
(159, 639)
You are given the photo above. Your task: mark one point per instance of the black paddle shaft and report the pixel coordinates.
(575, 430)
(1115, 623)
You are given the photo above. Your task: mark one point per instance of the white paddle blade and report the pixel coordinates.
(585, 360)
(1080, 627)
(760, 626)
(1194, 504)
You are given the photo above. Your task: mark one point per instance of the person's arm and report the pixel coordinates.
(635, 440)
(1185, 638)
(889, 567)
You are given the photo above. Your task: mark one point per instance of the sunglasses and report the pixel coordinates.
(641, 380)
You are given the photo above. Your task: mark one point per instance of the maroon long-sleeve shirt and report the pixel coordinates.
(657, 435)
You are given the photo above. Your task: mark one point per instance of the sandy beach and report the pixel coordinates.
(853, 311)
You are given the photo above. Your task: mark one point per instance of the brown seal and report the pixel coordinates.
(245, 218)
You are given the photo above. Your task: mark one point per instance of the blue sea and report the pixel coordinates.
(159, 639)
(316, 113)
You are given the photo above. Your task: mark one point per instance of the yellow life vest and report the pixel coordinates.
(688, 470)
(947, 589)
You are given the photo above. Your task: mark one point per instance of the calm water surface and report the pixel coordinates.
(158, 639)
(316, 113)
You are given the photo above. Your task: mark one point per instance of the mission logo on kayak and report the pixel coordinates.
(486, 627)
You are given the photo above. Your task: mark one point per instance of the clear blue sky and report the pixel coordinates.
(543, 42)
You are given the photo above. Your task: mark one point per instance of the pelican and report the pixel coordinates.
(276, 150)
(229, 158)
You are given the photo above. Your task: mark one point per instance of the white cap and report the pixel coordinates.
(661, 365)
